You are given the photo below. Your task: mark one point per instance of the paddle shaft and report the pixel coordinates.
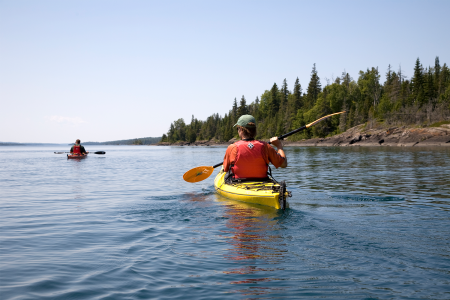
(282, 137)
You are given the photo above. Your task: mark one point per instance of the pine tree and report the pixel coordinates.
(430, 93)
(180, 130)
(395, 89)
(255, 109)
(388, 81)
(284, 93)
(274, 104)
(346, 79)
(234, 111)
(297, 96)
(228, 128)
(171, 134)
(405, 94)
(388, 90)
(314, 88)
(388, 76)
(243, 109)
(444, 83)
(437, 73)
(417, 84)
(191, 131)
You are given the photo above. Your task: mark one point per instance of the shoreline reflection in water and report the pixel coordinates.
(255, 242)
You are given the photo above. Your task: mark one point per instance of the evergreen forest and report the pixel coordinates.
(421, 100)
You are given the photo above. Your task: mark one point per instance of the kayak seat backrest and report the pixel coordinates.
(257, 180)
(230, 179)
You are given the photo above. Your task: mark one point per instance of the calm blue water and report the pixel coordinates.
(363, 223)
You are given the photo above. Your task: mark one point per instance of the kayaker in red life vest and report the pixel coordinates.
(78, 149)
(249, 158)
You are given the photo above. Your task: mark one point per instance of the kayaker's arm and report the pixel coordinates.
(277, 143)
(230, 156)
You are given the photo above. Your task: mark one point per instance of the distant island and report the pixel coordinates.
(136, 141)
(28, 144)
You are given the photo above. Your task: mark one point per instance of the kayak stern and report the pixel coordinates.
(263, 193)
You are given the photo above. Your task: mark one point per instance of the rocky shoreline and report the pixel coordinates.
(359, 136)
(394, 136)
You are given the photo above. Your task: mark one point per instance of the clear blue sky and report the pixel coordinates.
(108, 70)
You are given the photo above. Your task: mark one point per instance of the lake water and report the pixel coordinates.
(363, 223)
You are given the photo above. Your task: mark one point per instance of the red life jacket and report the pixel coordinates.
(77, 149)
(250, 160)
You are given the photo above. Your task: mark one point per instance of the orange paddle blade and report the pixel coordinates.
(198, 174)
(323, 118)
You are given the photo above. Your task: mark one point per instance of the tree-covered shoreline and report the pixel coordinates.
(422, 100)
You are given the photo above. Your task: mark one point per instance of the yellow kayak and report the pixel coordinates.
(258, 192)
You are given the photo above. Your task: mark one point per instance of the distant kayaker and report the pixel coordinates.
(249, 158)
(77, 148)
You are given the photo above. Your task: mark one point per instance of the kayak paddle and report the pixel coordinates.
(201, 173)
(98, 152)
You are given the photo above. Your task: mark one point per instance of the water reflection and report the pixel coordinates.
(253, 235)
(251, 231)
(77, 191)
(77, 177)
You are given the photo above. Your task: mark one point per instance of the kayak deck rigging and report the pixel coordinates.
(265, 192)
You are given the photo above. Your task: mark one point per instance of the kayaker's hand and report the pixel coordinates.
(276, 142)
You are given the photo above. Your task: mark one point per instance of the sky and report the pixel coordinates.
(104, 70)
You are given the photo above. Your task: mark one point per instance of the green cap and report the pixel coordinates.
(244, 120)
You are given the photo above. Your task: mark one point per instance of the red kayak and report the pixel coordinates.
(77, 155)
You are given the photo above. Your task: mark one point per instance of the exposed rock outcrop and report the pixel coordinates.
(394, 136)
